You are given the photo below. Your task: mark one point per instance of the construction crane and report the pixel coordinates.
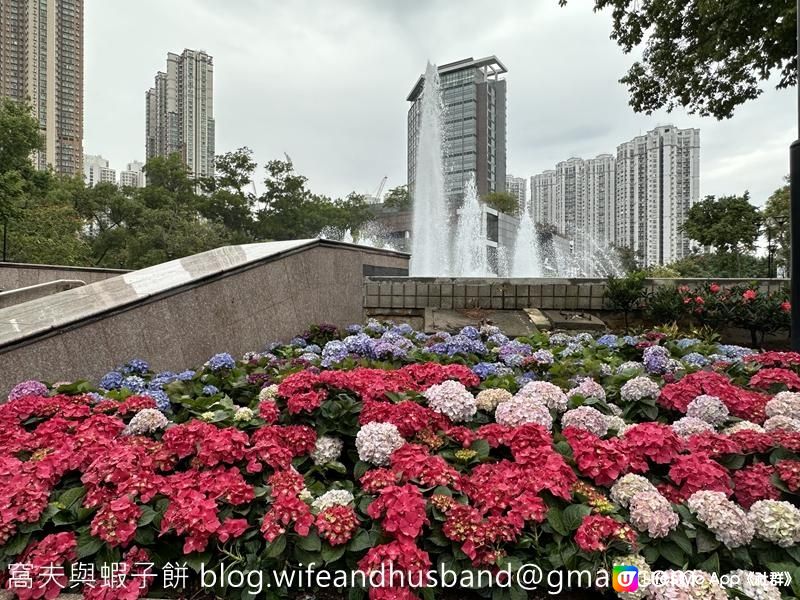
(376, 198)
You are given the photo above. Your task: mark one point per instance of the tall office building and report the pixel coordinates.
(41, 62)
(133, 175)
(96, 170)
(180, 111)
(517, 187)
(657, 180)
(474, 137)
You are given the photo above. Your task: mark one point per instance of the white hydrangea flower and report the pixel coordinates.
(586, 417)
(452, 399)
(147, 420)
(627, 486)
(332, 498)
(639, 388)
(785, 404)
(726, 519)
(518, 411)
(653, 513)
(782, 422)
(689, 426)
(743, 426)
(545, 393)
(617, 424)
(243, 414)
(269, 392)
(375, 442)
(488, 400)
(710, 409)
(207, 416)
(776, 521)
(326, 450)
(753, 585)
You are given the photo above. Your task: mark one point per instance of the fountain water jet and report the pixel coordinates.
(470, 258)
(527, 260)
(429, 246)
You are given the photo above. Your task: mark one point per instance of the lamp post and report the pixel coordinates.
(794, 203)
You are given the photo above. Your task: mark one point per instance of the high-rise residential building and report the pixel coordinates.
(544, 200)
(657, 181)
(133, 175)
(41, 62)
(518, 187)
(96, 170)
(474, 137)
(180, 111)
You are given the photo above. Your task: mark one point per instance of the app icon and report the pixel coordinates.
(625, 578)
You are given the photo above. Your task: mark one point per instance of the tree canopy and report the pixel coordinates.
(503, 202)
(708, 56)
(729, 223)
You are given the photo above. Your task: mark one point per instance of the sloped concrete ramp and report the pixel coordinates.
(177, 314)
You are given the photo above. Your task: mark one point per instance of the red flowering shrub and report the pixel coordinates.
(695, 472)
(752, 484)
(653, 441)
(597, 532)
(337, 524)
(789, 473)
(401, 510)
(601, 460)
(766, 378)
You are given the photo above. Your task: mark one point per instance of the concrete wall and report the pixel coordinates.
(19, 275)
(549, 294)
(234, 312)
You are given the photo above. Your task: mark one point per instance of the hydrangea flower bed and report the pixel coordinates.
(383, 446)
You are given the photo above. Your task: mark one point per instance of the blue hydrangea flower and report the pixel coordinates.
(134, 383)
(630, 340)
(162, 379)
(734, 352)
(421, 337)
(359, 344)
(695, 359)
(484, 370)
(560, 339)
(584, 338)
(187, 375)
(543, 357)
(459, 344)
(210, 390)
(685, 343)
(221, 361)
(272, 346)
(95, 397)
(608, 340)
(313, 348)
(161, 398)
(111, 380)
(309, 357)
(470, 332)
(656, 359)
(136, 366)
(373, 326)
(571, 349)
(402, 329)
(353, 329)
(498, 339)
(333, 353)
(525, 378)
(381, 349)
(298, 342)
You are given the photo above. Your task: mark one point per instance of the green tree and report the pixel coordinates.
(777, 221)
(708, 56)
(729, 224)
(630, 260)
(230, 195)
(720, 264)
(398, 198)
(503, 202)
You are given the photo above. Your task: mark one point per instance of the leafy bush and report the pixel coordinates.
(665, 305)
(626, 294)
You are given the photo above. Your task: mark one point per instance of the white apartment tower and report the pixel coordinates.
(516, 186)
(133, 175)
(180, 111)
(543, 198)
(41, 62)
(658, 180)
(96, 170)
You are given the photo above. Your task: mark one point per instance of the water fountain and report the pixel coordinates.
(469, 251)
(430, 245)
(526, 261)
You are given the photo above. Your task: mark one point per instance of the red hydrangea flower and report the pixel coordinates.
(752, 484)
(775, 359)
(713, 444)
(211, 445)
(409, 417)
(269, 411)
(753, 442)
(136, 579)
(116, 522)
(596, 532)
(133, 404)
(337, 524)
(402, 509)
(602, 460)
(412, 462)
(495, 434)
(231, 528)
(404, 559)
(654, 441)
(54, 550)
(427, 374)
(374, 480)
(789, 473)
(766, 378)
(695, 472)
(191, 514)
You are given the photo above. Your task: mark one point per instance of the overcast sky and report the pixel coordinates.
(326, 83)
